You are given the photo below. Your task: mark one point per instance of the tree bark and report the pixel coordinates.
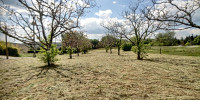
(77, 51)
(110, 50)
(118, 49)
(139, 51)
(139, 55)
(49, 63)
(84, 52)
(70, 54)
(119, 45)
(48, 59)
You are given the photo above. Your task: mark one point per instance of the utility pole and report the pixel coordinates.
(33, 23)
(6, 46)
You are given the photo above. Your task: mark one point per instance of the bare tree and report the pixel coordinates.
(115, 28)
(108, 42)
(174, 13)
(44, 20)
(135, 24)
(85, 44)
(72, 40)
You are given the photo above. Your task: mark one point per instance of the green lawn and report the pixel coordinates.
(176, 50)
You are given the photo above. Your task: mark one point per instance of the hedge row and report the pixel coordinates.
(13, 51)
(126, 46)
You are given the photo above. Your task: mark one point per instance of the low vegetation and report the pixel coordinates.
(12, 50)
(176, 50)
(99, 75)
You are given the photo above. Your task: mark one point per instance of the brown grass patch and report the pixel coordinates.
(100, 75)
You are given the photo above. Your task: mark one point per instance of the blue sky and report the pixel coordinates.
(115, 5)
(106, 9)
(113, 9)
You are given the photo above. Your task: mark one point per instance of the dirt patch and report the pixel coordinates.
(100, 75)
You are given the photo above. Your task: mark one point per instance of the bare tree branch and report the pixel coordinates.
(182, 13)
(49, 18)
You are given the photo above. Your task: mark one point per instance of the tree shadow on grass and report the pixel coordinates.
(164, 60)
(42, 72)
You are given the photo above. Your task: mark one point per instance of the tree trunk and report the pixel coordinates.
(106, 50)
(77, 54)
(139, 55)
(84, 52)
(77, 51)
(118, 49)
(111, 50)
(70, 54)
(49, 64)
(119, 45)
(48, 59)
(139, 51)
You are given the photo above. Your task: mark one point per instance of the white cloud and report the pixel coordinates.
(2, 13)
(95, 36)
(114, 2)
(92, 25)
(104, 14)
(19, 10)
(186, 32)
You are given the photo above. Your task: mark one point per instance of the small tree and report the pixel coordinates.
(166, 39)
(197, 40)
(72, 41)
(136, 24)
(113, 28)
(69, 41)
(85, 44)
(108, 42)
(49, 56)
(140, 27)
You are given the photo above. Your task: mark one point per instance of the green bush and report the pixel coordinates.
(48, 56)
(12, 51)
(126, 46)
(197, 40)
(188, 43)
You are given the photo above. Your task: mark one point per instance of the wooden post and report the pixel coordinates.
(160, 51)
(34, 51)
(7, 54)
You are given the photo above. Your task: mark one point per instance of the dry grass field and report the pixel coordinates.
(101, 76)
